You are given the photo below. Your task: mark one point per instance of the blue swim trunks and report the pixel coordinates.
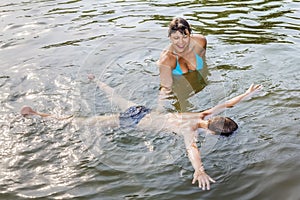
(132, 116)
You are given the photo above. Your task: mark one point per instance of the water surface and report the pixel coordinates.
(46, 49)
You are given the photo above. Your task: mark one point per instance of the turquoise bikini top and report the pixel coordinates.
(199, 65)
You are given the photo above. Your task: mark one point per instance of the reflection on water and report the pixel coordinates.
(252, 22)
(46, 49)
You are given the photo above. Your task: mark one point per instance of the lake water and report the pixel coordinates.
(48, 46)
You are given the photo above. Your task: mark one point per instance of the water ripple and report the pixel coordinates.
(46, 45)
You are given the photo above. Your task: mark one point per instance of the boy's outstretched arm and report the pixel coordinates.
(112, 95)
(195, 158)
(232, 102)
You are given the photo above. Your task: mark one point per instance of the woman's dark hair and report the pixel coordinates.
(179, 24)
(222, 125)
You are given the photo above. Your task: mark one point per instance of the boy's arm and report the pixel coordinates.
(232, 102)
(195, 158)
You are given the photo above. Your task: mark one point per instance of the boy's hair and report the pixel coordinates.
(179, 24)
(222, 125)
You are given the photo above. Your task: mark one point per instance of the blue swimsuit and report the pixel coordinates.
(199, 65)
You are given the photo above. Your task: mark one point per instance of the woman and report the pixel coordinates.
(184, 54)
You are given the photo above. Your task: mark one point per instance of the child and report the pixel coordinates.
(185, 124)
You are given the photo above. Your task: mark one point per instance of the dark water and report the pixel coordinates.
(46, 49)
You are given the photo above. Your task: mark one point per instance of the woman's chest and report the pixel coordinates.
(187, 63)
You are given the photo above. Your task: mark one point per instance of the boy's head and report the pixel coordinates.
(222, 125)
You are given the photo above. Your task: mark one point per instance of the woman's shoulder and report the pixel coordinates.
(199, 40)
(198, 37)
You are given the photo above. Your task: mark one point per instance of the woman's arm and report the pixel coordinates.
(166, 79)
(232, 102)
(166, 64)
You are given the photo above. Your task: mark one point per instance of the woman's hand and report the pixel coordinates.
(203, 179)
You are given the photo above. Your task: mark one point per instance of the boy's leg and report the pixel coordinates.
(103, 121)
(111, 121)
(113, 96)
(28, 111)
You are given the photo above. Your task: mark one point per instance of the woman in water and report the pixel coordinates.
(184, 54)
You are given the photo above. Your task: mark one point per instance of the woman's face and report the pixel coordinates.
(179, 41)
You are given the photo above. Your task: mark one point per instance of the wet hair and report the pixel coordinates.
(222, 125)
(179, 24)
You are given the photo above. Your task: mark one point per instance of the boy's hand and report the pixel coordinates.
(203, 179)
(253, 88)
